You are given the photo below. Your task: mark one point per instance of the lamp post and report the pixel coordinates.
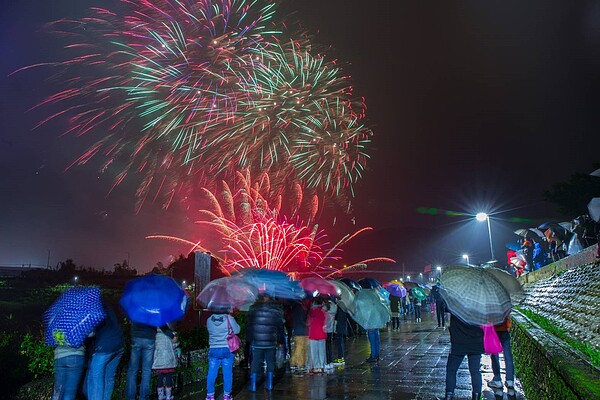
(484, 217)
(466, 257)
(439, 271)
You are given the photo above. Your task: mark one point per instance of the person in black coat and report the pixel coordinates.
(395, 309)
(341, 331)
(266, 321)
(465, 340)
(440, 306)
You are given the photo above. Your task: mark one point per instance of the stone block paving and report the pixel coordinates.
(412, 366)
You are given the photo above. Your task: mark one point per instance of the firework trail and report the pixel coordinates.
(185, 93)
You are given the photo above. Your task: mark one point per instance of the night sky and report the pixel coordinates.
(474, 106)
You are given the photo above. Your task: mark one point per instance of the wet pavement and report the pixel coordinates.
(412, 366)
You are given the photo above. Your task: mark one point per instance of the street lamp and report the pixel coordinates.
(439, 271)
(408, 277)
(484, 217)
(466, 257)
(421, 276)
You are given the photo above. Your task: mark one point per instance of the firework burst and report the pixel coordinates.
(185, 93)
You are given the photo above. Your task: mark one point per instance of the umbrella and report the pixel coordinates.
(419, 293)
(594, 209)
(272, 283)
(513, 246)
(346, 300)
(226, 293)
(369, 283)
(350, 283)
(395, 289)
(73, 316)
(474, 295)
(371, 310)
(510, 283)
(596, 173)
(409, 285)
(154, 300)
(319, 286)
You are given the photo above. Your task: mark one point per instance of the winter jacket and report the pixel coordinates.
(218, 330)
(299, 314)
(341, 322)
(330, 318)
(464, 338)
(265, 320)
(394, 303)
(165, 354)
(142, 331)
(109, 335)
(316, 324)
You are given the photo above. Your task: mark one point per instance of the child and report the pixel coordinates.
(317, 336)
(165, 361)
(219, 325)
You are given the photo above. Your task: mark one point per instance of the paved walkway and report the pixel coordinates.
(412, 366)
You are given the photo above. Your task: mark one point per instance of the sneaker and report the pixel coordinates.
(509, 385)
(495, 384)
(227, 397)
(329, 366)
(210, 396)
(339, 361)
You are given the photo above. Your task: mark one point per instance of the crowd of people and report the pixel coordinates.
(551, 242)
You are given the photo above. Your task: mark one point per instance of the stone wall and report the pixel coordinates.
(568, 294)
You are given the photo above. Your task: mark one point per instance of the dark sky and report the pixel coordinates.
(474, 105)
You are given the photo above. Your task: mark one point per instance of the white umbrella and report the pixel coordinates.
(594, 208)
(596, 173)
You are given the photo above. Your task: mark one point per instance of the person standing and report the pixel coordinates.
(219, 356)
(300, 332)
(331, 310)
(142, 352)
(395, 309)
(69, 364)
(341, 331)
(440, 306)
(504, 335)
(417, 305)
(265, 321)
(465, 340)
(165, 361)
(317, 336)
(107, 349)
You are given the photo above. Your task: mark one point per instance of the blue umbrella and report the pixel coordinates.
(369, 283)
(352, 284)
(154, 300)
(513, 246)
(71, 318)
(272, 283)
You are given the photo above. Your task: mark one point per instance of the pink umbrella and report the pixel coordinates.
(319, 286)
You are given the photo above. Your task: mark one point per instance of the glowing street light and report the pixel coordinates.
(484, 217)
(466, 257)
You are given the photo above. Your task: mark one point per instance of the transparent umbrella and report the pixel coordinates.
(371, 312)
(346, 300)
(226, 293)
(475, 295)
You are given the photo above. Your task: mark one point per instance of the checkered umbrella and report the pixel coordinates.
(510, 283)
(372, 312)
(71, 318)
(474, 295)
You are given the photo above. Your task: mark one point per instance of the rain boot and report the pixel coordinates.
(252, 385)
(449, 396)
(269, 383)
(169, 393)
(476, 396)
(161, 393)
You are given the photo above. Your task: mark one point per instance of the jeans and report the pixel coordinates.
(373, 335)
(454, 361)
(508, 359)
(417, 311)
(101, 375)
(259, 355)
(216, 357)
(341, 345)
(142, 350)
(67, 376)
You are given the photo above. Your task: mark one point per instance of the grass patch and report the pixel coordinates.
(592, 353)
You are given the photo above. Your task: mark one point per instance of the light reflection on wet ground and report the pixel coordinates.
(412, 366)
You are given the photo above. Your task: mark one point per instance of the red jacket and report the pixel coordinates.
(316, 324)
